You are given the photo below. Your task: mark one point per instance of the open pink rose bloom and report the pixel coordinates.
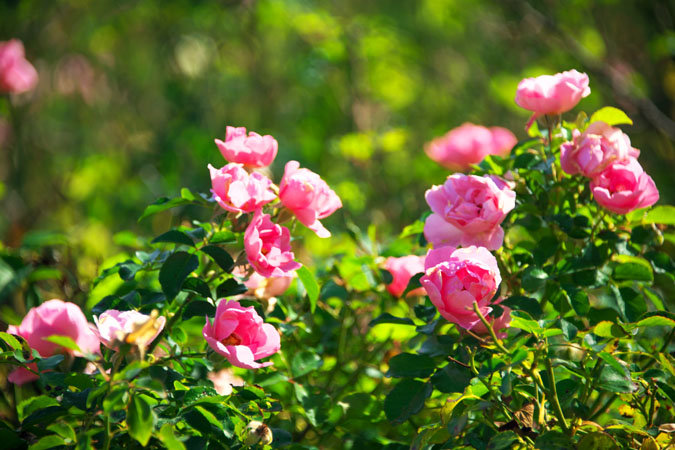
(251, 151)
(468, 210)
(238, 191)
(268, 247)
(623, 187)
(53, 318)
(456, 278)
(240, 335)
(17, 75)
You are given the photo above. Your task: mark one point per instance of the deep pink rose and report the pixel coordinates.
(251, 151)
(468, 144)
(552, 94)
(498, 324)
(308, 197)
(236, 190)
(456, 278)
(624, 186)
(16, 73)
(402, 269)
(468, 210)
(113, 326)
(268, 247)
(53, 318)
(240, 335)
(592, 151)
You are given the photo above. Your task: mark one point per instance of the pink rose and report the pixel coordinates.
(266, 288)
(268, 247)
(235, 190)
(53, 318)
(498, 324)
(624, 186)
(456, 278)
(552, 94)
(240, 335)
(308, 197)
(16, 73)
(469, 144)
(468, 210)
(592, 151)
(402, 269)
(113, 326)
(251, 151)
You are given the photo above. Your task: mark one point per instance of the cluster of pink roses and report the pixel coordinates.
(17, 75)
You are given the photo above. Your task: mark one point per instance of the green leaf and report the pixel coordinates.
(632, 268)
(451, 378)
(521, 320)
(198, 286)
(220, 256)
(609, 329)
(310, 284)
(503, 441)
(611, 116)
(64, 341)
(614, 379)
(10, 340)
(305, 362)
(656, 321)
(410, 365)
(199, 308)
(223, 237)
(47, 442)
(116, 399)
(662, 214)
(32, 404)
(175, 237)
(413, 229)
(175, 270)
(406, 399)
(140, 419)
(162, 204)
(534, 279)
(209, 416)
(413, 283)
(388, 318)
(597, 441)
(230, 288)
(169, 439)
(49, 363)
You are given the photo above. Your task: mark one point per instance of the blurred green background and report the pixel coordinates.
(132, 94)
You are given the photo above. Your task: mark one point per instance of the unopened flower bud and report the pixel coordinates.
(258, 433)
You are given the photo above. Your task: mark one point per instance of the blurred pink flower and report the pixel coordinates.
(17, 75)
(268, 247)
(239, 334)
(113, 326)
(236, 190)
(308, 197)
(402, 269)
(623, 187)
(224, 380)
(251, 151)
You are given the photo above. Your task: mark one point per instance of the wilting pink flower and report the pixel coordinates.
(469, 144)
(53, 318)
(552, 94)
(498, 324)
(468, 210)
(268, 247)
(308, 197)
(239, 334)
(592, 151)
(224, 380)
(251, 151)
(624, 186)
(401, 270)
(236, 190)
(456, 278)
(113, 326)
(16, 73)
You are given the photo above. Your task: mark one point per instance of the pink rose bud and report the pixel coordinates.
(552, 94)
(237, 191)
(268, 247)
(17, 75)
(308, 197)
(468, 210)
(251, 151)
(239, 334)
(456, 278)
(498, 324)
(53, 318)
(113, 327)
(592, 151)
(623, 187)
(402, 269)
(469, 144)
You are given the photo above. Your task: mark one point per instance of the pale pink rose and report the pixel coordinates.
(224, 380)
(268, 247)
(592, 151)
(401, 270)
(17, 75)
(251, 151)
(552, 94)
(468, 210)
(265, 288)
(624, 186)
(113, 326)
(239, 334)
(53, 318)
(456, 278)
(308, 197)
(499, 324)
(469, 144)
(238, 191)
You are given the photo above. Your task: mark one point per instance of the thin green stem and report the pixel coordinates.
(553, 397)
(603, 408)
(487, 325)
